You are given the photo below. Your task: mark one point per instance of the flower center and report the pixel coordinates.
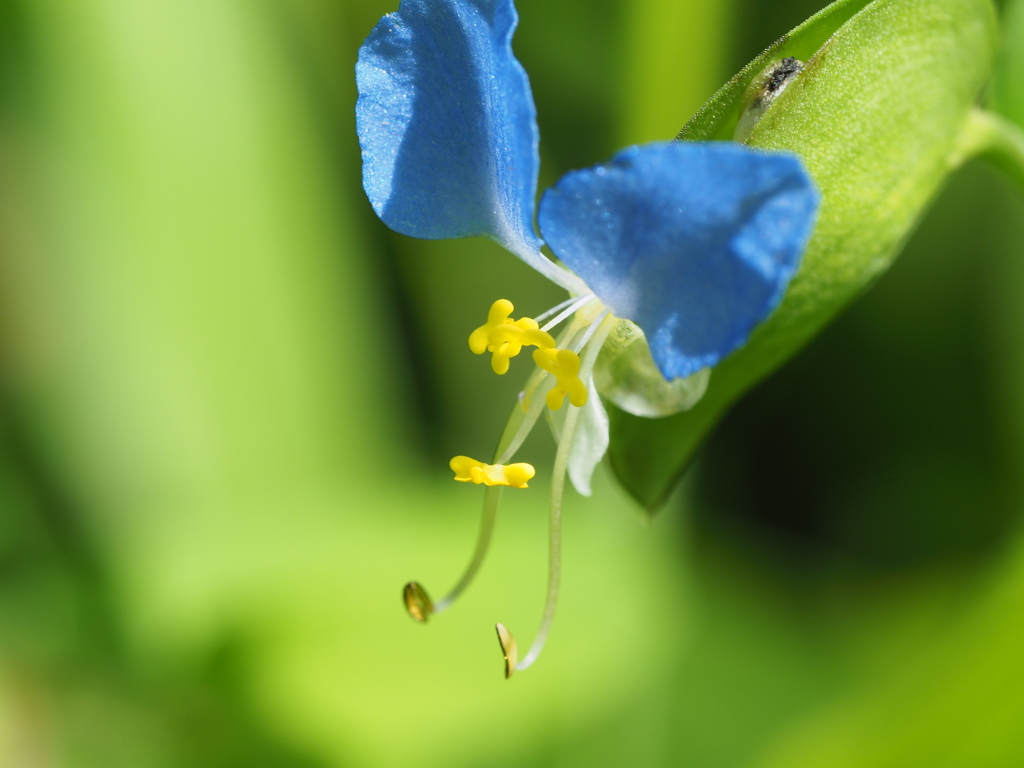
(569, 361)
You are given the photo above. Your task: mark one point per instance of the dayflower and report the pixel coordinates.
(694, 243)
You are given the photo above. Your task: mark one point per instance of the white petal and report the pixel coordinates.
(589, 444)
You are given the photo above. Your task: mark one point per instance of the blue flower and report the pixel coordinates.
(694, 243)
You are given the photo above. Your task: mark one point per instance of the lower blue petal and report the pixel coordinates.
(695, 243)
(447, 123)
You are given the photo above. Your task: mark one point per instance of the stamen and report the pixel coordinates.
(417, 602)
(578, 347)
(554, 543)
(497, 315)
(516, 429)
(565, 364)
(504, 337)
(483, 541)
(501, 333)
(508, 649)
(565, 441)
(524, 417)
(557, 308)
(526, 412)
(526, 399)
(469, 470)
(508, 339)
(574, 307)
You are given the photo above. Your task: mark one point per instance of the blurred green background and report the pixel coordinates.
(228, 396)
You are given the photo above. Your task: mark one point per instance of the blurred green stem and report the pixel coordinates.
(995, 139)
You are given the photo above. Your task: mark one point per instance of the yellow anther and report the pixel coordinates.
(469, 470)
(506, 341)
(505, 338)
(497, 315)
(565, 364)
(534, 337)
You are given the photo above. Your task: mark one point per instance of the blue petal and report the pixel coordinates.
(695, 243)
(447, 124)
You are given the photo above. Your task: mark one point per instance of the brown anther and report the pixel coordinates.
(417, 602)
(508, 649)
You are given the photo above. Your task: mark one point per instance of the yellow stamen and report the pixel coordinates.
(508, 339)
(497, 315)
(469, 470)
(533, 337)
(505, 338)
(565, 364)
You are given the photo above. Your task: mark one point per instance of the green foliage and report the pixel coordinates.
(877, 115)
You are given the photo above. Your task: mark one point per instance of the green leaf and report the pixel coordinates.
(877, 115)
(717, 119)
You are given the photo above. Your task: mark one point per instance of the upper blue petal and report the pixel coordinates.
(695, 243)
(447, 123)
